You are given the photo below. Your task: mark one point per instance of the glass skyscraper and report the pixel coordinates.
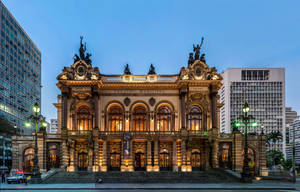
(20, 72)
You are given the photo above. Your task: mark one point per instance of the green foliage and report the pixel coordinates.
(274, 136)
(6, 126)
(274, 157)
(287, 164)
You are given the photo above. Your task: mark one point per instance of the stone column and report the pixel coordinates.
(149, 157)
(215, 150)
(64, 118)
(104, 157)
(74, 123)
(156, 155)
(206, 147)
(90, 159)
(183, 156)
(64, 155)
(96, 103)
(213, 97)
(175, 165)
(263, 160)
(72, 158)
(96, 155)
(183, 92)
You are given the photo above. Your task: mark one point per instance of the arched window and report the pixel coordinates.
(28, 160)
(115, 118)
(139, 119)
(195, 119)
(164, 119)
(84, 119)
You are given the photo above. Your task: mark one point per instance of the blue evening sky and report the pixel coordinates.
(252, 33)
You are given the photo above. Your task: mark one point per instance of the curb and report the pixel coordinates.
(160, 188)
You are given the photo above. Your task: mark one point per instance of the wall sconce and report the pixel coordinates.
(127, 117)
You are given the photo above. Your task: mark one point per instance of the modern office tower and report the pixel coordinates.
(290, 116)
(53, 126)
(264, 90)
(294, 132)
(20, 72)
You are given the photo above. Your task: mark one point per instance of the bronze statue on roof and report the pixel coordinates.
(82, 55)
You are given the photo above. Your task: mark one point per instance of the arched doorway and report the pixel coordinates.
(82, 161)
(196, 161)
(53, 156)
(140, 161)
(165, 162)
(115, 161)
(28, 160)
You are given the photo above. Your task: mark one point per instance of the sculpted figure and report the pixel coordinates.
(87, 59)
(191, 59)
(127, 70)
(202, 58)
(82, 49)
(151, 70)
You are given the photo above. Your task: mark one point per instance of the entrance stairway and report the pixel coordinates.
(209, 176)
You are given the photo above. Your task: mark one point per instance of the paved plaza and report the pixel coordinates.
(256, 186)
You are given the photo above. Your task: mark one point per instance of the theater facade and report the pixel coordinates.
(139, 123)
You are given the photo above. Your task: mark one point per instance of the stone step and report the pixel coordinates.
(209, 176)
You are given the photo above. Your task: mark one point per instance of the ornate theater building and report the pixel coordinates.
(139, 123)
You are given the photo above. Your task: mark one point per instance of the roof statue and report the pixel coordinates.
(82, 55)
(197, 49)
(191, 59)
(151, 70)
(202, 58)
(127, 70)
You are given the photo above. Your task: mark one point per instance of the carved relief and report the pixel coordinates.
(152, 101)
(127, 101)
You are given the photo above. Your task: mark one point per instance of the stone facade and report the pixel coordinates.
(139, 123)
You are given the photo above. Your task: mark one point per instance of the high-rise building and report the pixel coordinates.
(294, 132)
(20, 72)
(53, 126)
(290, 116)
(264, 90)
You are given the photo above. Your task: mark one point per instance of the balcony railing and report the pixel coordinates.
(120, 133)
(79, 132)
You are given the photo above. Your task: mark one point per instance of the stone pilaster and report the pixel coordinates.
(64, 152)
(64, 118)
(213, 97)
(183, 92)
(104, 157)
(90, 159)
(96, 104)
(215, 150)
(183, 156)
(96, 155)
(175, 165)
(156, 156)
(149, 156)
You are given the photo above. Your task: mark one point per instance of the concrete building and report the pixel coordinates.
(290, 117)
(20, 79)
(139, 123)
(294, 132)
(264, 90)
(20, 71)
(53, 126)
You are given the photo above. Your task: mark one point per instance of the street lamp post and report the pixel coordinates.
(245, 118)
(36, 119)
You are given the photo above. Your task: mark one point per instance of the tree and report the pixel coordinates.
(274, 136)
(6, 126)
(274, 157)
